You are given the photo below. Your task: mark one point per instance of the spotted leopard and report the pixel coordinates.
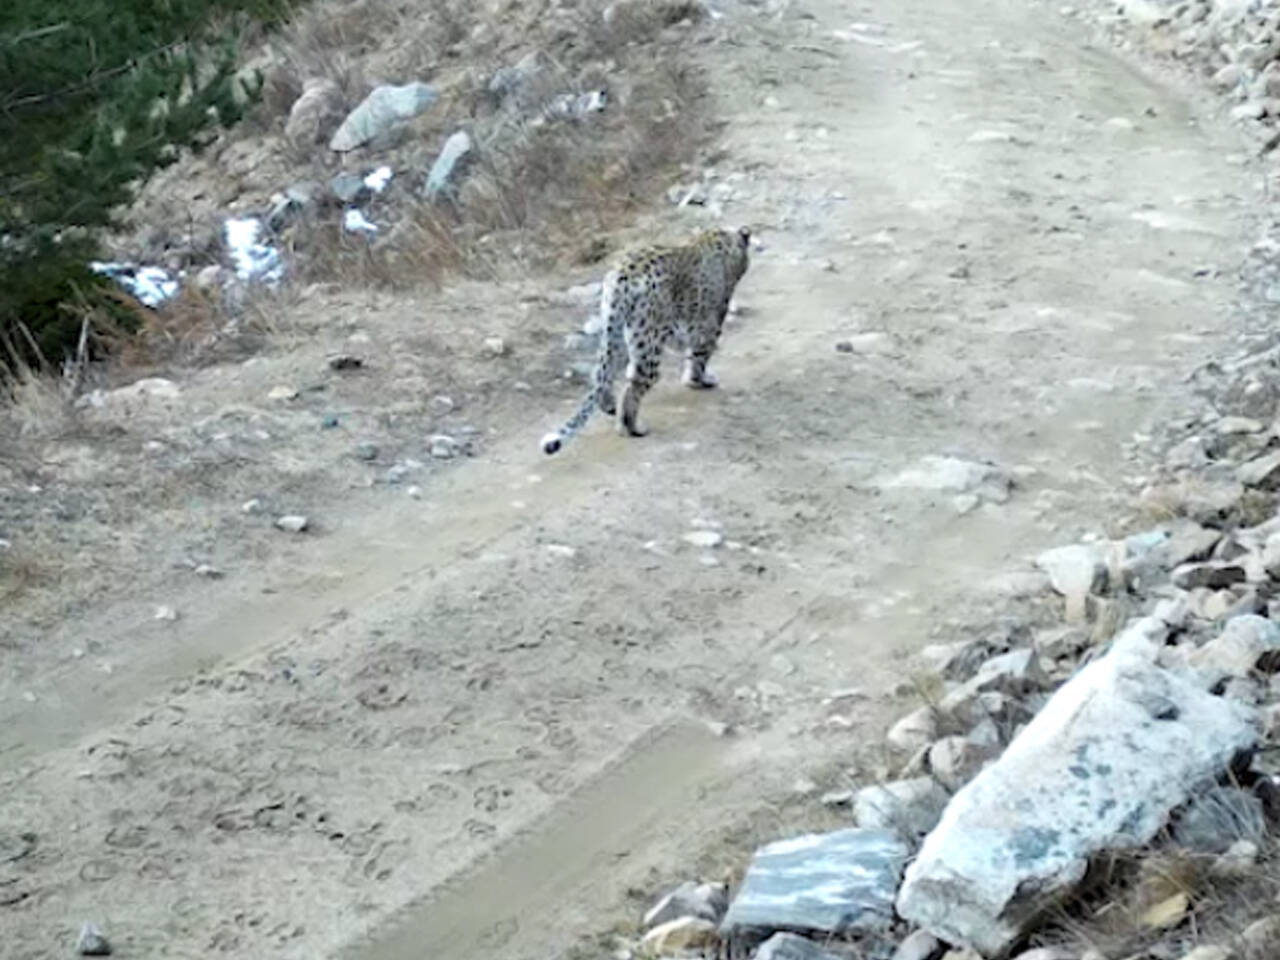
(653, 296)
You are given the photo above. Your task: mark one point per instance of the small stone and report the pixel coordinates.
(1237, 426)
(844, 346)
(495, 346)
(1209, 952)
(209, 277)
(1262, 472)
(917, 729)
(443, 447)
(956, 661)
(1228, 77)
(1189, 543)
(910, 807)
(837, 798)
(1247, 643)
(1075, 570)
(440, 405)
(283, 392)
(367, 451)
(675, 936)
(703, 539)
(920, 945)
(1049, 953)
(1261, 939)
(1213, 574)
(449, 167)
(345, 361)
(1239, 860)
(348, 187)
(251, 506)
(92, 942)
(561, 550)
(1058, 643)
(292, 523)
(1251, 110)
(165, 612)
(414, 491)
(791, 946)
(706, 901)
(208, 570)
(1166, 914)
(955, 760)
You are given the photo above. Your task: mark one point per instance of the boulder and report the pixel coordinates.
(1119, 747)
(830, 884)
(379, 112)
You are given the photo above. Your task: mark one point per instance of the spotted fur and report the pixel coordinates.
(652, 297)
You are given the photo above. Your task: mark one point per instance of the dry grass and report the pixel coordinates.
(538, 190)
(1109, 915)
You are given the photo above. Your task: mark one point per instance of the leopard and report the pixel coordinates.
(653, 297)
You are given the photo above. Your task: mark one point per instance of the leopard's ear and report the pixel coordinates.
(744, 235)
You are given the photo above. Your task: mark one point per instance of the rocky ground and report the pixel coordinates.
(997, 417)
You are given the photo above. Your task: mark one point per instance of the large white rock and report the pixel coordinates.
(1101, 767)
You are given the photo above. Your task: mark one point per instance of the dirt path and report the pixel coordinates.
(1015, 235)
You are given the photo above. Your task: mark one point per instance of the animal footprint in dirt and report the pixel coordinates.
(491, 798)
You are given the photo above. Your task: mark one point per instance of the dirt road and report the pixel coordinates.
(465, 725)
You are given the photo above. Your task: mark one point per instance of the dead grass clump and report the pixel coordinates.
(1164, 902)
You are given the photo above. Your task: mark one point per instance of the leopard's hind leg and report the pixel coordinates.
(644, 352)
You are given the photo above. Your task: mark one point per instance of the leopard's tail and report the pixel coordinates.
(554, 442)
(611, 355)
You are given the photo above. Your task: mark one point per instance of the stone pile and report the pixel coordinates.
(1139, 724)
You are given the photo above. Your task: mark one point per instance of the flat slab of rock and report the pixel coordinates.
(1118, 748)
(952, 475)
(831, 883)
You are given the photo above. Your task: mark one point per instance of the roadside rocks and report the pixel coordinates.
(1100, 768)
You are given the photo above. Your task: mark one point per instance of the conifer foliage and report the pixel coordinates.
(94, 96)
